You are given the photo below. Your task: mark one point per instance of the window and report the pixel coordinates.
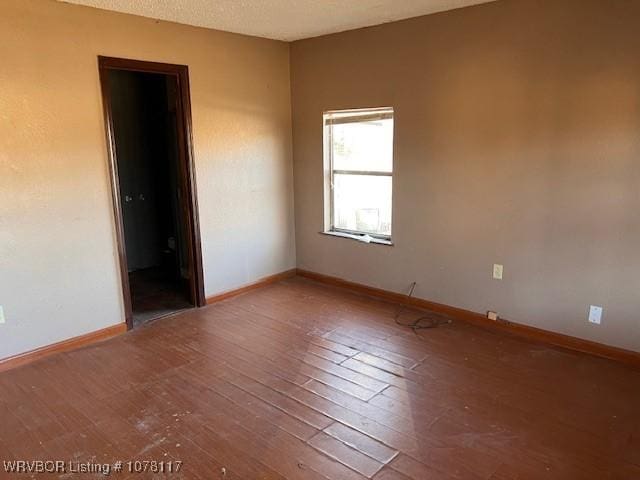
(358, 152)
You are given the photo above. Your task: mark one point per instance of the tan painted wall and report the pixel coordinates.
(517, 142)
(58, 268)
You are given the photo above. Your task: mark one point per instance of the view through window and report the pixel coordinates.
(359, 153)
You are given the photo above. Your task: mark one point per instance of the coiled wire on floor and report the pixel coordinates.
(432, 320)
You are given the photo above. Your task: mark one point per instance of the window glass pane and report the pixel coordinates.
(362, 203)
(363, 145)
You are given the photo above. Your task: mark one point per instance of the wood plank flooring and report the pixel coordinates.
(302, 381)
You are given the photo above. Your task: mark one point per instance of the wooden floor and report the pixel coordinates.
(302, 381)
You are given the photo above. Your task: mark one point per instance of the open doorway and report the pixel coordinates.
(148, 128)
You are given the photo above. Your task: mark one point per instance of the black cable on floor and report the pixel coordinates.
(421, 323)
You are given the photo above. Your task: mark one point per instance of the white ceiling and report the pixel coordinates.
(279, 19)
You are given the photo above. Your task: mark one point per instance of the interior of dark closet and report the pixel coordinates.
(144, 115)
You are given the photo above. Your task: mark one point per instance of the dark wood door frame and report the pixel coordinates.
(189, 200)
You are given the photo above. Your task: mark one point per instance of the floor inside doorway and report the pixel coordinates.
(155, 295)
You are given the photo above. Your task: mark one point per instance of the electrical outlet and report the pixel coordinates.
(497, 271)
(492, 315)
(1, 314)
(595, 314)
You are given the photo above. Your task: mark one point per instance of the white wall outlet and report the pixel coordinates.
(497, 271)
(492, 315)
(1, 314)
(595, 314)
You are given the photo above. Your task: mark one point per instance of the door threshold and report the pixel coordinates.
(140, 320)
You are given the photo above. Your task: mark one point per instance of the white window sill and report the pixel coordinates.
(360, 238)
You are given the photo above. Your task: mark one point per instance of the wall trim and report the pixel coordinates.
(63, 346)
(531, 333)
(262, 282)
(621, 355)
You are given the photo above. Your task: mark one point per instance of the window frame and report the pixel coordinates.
(334, 117)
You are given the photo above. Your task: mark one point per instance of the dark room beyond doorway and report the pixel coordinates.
(144, 115)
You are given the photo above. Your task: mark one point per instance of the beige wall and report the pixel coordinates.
(517, 141)
(58, 269)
